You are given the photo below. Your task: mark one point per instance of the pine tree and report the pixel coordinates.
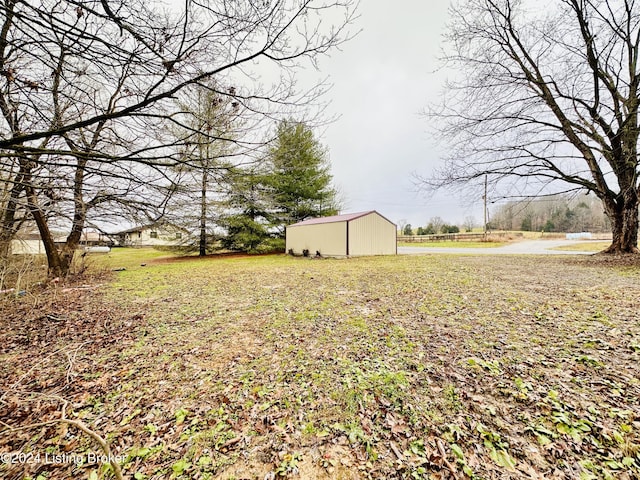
(299, 179)
(248, 203)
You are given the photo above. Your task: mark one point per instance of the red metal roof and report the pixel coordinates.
(334, 218)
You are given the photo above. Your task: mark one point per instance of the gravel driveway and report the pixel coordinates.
(526, 247)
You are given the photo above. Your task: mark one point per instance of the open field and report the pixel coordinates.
(461, 244)
(417, 367)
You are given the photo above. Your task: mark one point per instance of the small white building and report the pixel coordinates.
(353, 234)
(27, 245)
(31, 244)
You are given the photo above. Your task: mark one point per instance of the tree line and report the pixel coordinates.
(113, 109)
(436, 225)
(559, 213)
(555, 213)
(546, 102)
(246, 206)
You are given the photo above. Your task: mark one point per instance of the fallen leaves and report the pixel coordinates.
(405, 367)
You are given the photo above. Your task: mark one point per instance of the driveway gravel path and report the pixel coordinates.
(526, 247)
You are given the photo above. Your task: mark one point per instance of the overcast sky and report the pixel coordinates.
(382, 79)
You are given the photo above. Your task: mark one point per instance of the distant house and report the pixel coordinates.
(353, 234)
(29, 243)
(93, 238)
(153, 235)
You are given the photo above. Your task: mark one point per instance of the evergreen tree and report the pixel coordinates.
(299, 178)
(248, 204)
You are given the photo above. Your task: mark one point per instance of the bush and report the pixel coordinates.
(270, 245)
(449, 229)
(243, 234)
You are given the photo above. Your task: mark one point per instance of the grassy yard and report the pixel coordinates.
(276, 367)
(451, 244)
(584, 247)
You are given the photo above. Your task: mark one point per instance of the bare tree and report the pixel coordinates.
(548, 102)
(469, 223)
(62, 178)
(212, 139)
(435, 224)
(87, 86)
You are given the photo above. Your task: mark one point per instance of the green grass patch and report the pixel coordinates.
(123, 257)
(584, 247)
(452, 244)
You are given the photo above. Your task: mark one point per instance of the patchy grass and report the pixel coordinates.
(388, 367)
(452, 244)
(126, 258)
(584, 247)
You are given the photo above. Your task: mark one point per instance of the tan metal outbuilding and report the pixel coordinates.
(353, 234)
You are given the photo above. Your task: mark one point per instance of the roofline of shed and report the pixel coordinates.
(347, 217)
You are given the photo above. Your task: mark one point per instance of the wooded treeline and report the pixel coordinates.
(111, 109)
(551, 214)
(554, 213)
(546, 101)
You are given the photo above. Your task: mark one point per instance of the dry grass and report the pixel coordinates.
(21, 272)
(584, 247)
(389, 367)
(452, 244)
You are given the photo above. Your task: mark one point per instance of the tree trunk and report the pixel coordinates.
(9, 224)
(5, 243)
(203, 214)
(79, 218)
(71, 245)
(57, 266)
(624, 224)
